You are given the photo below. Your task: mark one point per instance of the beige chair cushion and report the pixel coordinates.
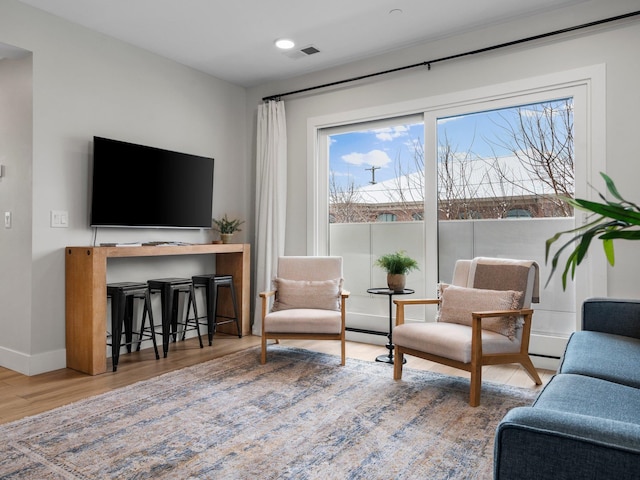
(305, 320)
(320, 294)
(459, 302)
(450, 340)
(310, 268)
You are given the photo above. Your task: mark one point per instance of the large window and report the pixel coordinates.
(483, 180)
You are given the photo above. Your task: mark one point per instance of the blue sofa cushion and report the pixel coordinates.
(602, 355)
(592, 397)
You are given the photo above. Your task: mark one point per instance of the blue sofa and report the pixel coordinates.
(585, 424)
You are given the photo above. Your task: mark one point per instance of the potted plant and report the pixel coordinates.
(227, 227)
(397, 266)
(614, 220)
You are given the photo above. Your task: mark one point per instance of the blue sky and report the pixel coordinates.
(351, 154)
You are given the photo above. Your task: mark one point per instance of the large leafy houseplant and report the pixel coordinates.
(613, 220)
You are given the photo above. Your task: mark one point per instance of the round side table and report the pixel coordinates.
(390, 293)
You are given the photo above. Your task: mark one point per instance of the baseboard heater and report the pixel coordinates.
(364, 330)
(543, 356)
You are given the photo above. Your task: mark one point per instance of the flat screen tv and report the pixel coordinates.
(146, 187)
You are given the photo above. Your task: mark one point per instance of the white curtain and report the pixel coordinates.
(271, 198)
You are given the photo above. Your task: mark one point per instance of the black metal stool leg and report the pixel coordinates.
(192, 302)
(211, 301)
(235, 308)
(147, 310)
(174, 314)
(117, 316)
(128, 321)
(165, 300)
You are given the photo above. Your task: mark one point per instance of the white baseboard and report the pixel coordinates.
(545, 362)
(32, 364)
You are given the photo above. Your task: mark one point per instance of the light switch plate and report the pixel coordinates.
(7, 219)
(59, 219)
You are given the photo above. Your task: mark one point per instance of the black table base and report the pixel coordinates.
(388, 358)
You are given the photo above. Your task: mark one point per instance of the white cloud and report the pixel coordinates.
(388, 134)
(374, 158)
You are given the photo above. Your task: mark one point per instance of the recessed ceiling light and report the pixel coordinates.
(285, 44)
(395, 11)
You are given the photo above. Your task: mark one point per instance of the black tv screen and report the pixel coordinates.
(140, 186)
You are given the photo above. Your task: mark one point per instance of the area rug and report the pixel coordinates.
(300, 416)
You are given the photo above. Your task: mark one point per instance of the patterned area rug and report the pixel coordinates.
(300, 416)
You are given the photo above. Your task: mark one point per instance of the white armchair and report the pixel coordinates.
(484, 318)
(308, 302)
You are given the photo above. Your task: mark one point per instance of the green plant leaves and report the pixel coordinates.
(616, 220)
(224, 225)
(397, 263)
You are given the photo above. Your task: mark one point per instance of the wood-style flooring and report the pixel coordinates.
(22, 396)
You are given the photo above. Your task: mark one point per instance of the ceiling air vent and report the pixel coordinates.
(310, 50)
(301, 53)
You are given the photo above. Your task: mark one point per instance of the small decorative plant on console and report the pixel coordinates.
(227, 227)
(613, 220)
(397, 266)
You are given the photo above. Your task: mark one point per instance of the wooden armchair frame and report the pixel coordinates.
(478, 359)
(265, 296)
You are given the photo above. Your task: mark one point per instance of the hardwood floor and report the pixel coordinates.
(22, 396)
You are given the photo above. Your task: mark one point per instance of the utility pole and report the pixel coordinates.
(373, 174)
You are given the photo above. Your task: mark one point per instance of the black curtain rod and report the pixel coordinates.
(428, 63)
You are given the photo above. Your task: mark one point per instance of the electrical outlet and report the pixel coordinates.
(59, 219)
(7, 219)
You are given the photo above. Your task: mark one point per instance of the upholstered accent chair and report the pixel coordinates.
(308, 302)
(484, 318)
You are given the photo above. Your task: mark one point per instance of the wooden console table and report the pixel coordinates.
(86, 294)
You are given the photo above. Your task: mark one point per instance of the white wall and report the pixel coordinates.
(609, 45)
(15, 243)
(86, 84)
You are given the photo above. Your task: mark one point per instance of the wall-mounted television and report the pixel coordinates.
(147, 187)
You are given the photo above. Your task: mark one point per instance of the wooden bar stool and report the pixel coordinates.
(170, 290)
(212, 283)
(122, 295)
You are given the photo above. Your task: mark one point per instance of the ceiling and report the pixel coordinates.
(234, 40)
